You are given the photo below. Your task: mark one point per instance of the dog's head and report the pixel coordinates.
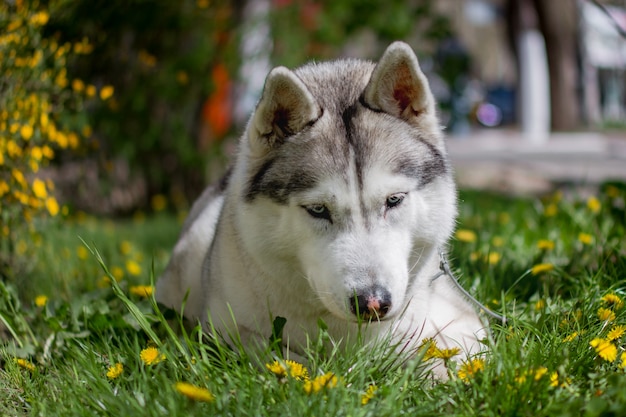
(347, 182)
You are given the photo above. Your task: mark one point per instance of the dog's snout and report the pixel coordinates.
(371, 304)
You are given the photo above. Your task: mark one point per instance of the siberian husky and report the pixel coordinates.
(338, 205)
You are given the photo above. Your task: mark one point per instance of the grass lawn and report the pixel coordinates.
(72, 343)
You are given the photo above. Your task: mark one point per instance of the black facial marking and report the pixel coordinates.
(271, 182)
(255, 185)
(425, 171)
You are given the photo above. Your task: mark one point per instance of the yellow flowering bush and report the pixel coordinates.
(40, 115)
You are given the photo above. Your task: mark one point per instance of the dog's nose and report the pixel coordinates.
(371, 305)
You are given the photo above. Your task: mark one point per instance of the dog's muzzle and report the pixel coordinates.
(373, 304)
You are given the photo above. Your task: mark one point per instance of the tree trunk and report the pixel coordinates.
(558, 21)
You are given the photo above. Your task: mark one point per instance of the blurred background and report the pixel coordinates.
(137, 104)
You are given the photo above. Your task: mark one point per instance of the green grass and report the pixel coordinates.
(541, 362)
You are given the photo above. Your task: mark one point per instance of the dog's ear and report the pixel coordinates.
(399, 87)
(286, 107)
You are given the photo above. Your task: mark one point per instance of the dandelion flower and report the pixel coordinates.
(23, 363)
(151, 356)
(622, 358)
(540, 268)
(117, 272)
(465, 235)
(554, 379)
(571, 337)
(328, 380)
(125, 247)
(194, 392)
(540, 305)
(550, 210)
(133, 267)
(493, 258)
(431, 348)
(605, 314)
(296, 370)
(41, 300)
(605, 349)
(616, 332)
(540, 372)
(369, 394)
(593, 204)
(471, 368)
(82, 252)
(613, 300)
(115, 371)
(545, 244)
(141, 290)
(585, 238)
(447, 354)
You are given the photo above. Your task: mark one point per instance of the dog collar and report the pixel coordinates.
(444, 269)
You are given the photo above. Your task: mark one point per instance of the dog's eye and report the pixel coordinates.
(394, 200)
(319, 211)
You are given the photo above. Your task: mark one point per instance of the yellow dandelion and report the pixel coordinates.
(471, 368)
(585, 238)
(194, 392)
(540, 372)
(605, 349)
(613, 300)
(540, 305)
(125, 247)
(151, 356)
(594, 205)
(605, 314)
(133, 267)
(82, 252)
(296, 370)
(141, 290)
(550, 210)
(616, 332)
(465, 235)
(106, 92)
(328, 380)
(571, 337)
(447, 354)
(493, 258)
(431, 348)
(117, 272)
(115, 371)
(41, 300)
(39, 188)
(545, 244)
(554, 379)
(622, 359)
(497, 241)
(369, 394)
(25, 364)
(541, 268)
